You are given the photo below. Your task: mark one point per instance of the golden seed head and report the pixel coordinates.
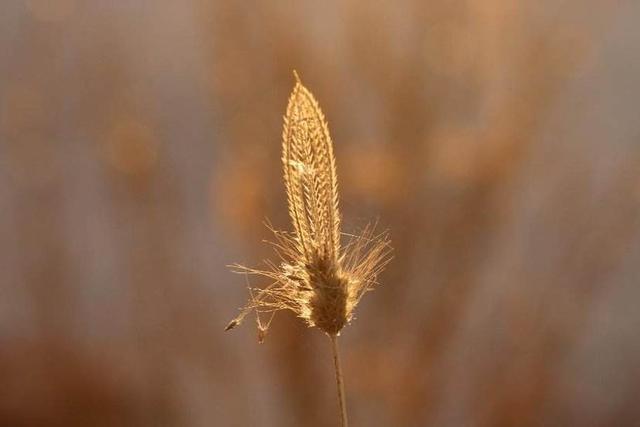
(319, 280)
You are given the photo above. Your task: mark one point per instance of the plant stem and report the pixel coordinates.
(339, 380)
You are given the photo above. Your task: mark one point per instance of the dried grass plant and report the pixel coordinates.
(317, 278)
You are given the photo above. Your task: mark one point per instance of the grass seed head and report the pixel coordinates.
(317, 278)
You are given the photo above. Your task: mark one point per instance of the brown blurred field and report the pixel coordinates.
(498, 141)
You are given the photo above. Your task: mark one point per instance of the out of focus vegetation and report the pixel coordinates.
(139, 154)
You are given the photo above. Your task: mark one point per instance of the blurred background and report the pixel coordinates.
(497, 141)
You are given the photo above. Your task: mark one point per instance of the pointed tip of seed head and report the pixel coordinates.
(232, 325)
(297, 77)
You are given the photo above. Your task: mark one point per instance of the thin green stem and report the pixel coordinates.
(339, 380)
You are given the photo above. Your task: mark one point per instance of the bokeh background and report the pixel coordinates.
(497, 141)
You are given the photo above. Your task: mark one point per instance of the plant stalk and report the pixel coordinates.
(339, 380)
